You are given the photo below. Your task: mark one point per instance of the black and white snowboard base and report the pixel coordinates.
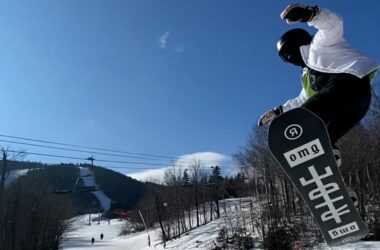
(299, 141)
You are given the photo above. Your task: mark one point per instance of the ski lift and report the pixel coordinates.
(83, 188)
(86, 189)
(61, 188)
(80, 186)
(62, 191)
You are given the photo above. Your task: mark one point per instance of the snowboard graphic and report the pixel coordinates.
(299, 141)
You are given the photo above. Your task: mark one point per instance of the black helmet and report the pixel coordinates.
(289, 45)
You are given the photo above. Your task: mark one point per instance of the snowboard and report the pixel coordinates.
(299, 141)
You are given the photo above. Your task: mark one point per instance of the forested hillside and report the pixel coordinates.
(35, 206)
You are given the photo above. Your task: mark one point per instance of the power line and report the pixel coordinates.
(86, 147)
(76, 150)
(139, 155)
(102, 160)
(49, 155)
(85, 159)
(80, 158)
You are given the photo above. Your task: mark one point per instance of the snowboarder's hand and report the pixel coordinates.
(269, 116)
(266, 117)
(299, 13)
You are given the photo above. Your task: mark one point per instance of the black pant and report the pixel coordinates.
(341, 102)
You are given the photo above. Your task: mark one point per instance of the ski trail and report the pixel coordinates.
(89, 180)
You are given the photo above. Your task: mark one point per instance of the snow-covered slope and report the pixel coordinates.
(88, 180)
(13, 174)
(199, 238)
(80, 238)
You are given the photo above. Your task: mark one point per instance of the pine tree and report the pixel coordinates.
(186, 178)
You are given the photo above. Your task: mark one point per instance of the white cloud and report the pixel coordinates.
(152, 175)
(179, 49)
(163, 40)
(207, 159)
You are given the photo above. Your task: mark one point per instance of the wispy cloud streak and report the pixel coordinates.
(163, 40)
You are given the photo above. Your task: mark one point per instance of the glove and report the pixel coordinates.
(269, 116)
(299, 13)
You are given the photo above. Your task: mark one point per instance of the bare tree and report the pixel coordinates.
(173, 178)
(196, 173)
(34, 217)
(4, 168)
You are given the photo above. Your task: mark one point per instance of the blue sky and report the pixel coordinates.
(168, 78)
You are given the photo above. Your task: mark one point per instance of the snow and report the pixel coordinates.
(80, 238)
(13, 174)
(89, 180)
(199, 238)
(368, 245)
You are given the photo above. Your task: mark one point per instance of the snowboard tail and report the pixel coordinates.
(299, 141)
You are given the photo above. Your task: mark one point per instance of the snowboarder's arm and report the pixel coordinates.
(290, 104)
(299, 13)
(295, 102)
(269, 115)
(329, 24)
(330, 28)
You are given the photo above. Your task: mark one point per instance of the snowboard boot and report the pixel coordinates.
(354, 196)
(338, 158)
(369, 237)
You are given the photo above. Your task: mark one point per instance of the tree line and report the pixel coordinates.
(188, 199)
(31, 215)
(274, 209)
(283, 213)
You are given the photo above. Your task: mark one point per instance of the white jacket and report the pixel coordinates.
(329, 53)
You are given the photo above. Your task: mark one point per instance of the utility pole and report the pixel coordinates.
(92, 159)
(146, 228)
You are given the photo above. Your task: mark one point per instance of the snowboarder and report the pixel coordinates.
(101, 236)
(335, 78)
(92, 241)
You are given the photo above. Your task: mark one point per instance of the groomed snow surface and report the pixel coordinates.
(80, 238)
(88, 179)
(199, 238)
